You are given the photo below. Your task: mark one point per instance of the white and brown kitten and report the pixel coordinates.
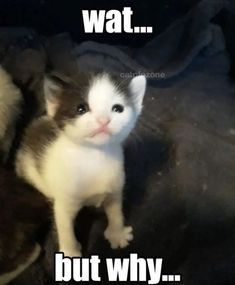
(74, 154)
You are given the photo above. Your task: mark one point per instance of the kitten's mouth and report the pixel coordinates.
(102, 130)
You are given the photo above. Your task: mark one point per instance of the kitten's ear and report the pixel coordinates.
(52, 92)
(137, 88)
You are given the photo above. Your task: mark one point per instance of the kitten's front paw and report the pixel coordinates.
(119, 238)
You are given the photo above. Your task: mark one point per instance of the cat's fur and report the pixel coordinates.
(23, 214)
(77, 159)
(19, 215)
(10, 107)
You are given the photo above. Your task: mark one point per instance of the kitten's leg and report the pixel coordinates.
(116, 233)
(7, 277)
(65, 214)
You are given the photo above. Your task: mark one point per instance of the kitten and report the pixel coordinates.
(74, 154)
(10, 106)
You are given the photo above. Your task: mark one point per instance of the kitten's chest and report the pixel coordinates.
(87, 172)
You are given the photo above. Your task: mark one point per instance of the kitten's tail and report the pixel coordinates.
(10, 107)
(9, 276)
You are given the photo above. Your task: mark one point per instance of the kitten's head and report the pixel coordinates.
(94, 109)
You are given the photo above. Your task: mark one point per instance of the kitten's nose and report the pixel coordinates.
(103, 121)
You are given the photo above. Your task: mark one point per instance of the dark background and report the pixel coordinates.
(52, 17)
(49, 17)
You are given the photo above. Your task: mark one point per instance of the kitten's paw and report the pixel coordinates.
(119, 238)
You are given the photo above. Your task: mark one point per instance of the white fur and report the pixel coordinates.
(137, 88)
(79, 170)
(50, 88)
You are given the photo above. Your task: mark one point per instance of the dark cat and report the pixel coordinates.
(10, 106)
(24, 213)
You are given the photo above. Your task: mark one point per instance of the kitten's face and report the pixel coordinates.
(96, 111)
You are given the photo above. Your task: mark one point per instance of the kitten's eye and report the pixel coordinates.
(82, 109)
(117, 108)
